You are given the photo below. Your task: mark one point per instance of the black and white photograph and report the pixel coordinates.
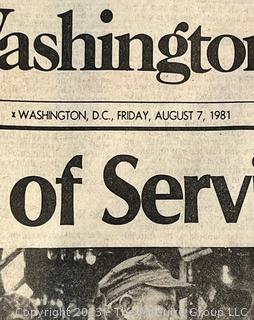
(127, 283)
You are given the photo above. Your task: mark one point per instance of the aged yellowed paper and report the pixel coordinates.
(127, 159)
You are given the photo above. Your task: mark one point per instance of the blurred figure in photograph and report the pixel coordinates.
(140, 288)
(16, 307)
(229, 304)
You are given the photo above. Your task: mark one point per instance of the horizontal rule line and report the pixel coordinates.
(125, 128)
(122, 102)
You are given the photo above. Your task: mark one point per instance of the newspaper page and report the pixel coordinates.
(127, 147)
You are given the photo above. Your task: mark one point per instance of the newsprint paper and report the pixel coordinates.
(127, 159)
